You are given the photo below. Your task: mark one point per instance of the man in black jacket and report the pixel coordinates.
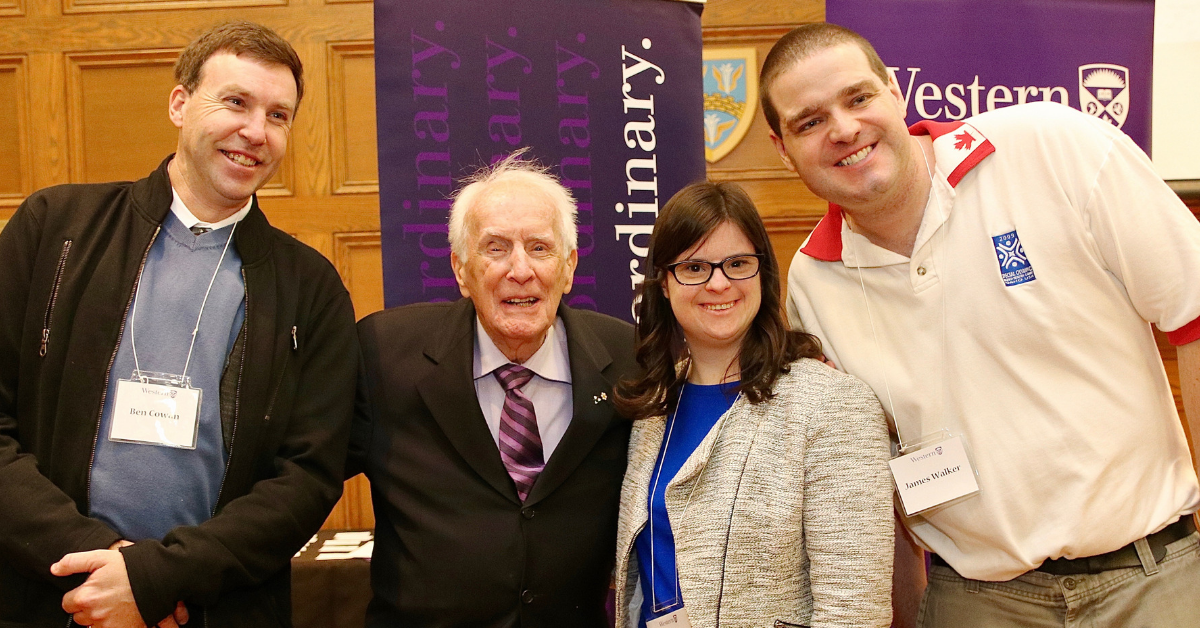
(487, 427)
(176, 376)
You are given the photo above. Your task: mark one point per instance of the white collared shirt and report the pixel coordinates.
(1020, 322)
(190, 220)
(549, 390)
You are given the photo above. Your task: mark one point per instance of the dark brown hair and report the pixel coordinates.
(239, 38)
(800, 44)
(769, 346)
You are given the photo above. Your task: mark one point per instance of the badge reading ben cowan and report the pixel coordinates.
(1015, 268)
(151, 413)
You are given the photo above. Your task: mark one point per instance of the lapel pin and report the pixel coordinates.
(601, 397)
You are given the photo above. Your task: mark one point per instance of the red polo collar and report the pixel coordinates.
(970, 148)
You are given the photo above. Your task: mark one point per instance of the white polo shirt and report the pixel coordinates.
(1020, 322)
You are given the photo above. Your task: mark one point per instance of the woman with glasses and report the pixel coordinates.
(757, 492)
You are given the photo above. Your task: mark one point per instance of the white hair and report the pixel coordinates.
(513, 169)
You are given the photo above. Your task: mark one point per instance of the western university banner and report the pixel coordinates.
(956, 58)
(607, 92)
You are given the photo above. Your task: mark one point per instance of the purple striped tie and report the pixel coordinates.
(520, 443)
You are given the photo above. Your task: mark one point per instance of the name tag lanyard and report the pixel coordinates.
(937, 469)
(156, 408)
(679, 617)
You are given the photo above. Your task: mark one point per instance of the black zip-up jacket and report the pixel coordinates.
(69, 260)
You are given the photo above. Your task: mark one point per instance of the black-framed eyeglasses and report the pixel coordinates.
(694, 272)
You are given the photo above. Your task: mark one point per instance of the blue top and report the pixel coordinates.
(699, 409)
(143, 491)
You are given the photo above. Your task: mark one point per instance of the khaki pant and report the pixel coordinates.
(1163, 595)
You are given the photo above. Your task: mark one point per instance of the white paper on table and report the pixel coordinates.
(339, 554)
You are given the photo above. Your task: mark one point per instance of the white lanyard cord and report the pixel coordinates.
(871, 318)
(654, 604)
(195, 330)
(686, 504)
(887, 387)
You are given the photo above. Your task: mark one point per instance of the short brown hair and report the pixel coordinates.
(239, 38)
(802, 43)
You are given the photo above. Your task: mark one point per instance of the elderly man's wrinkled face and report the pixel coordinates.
(516, 267)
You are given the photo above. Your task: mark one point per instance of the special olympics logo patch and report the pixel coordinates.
(1015, 268)
(1104, 92)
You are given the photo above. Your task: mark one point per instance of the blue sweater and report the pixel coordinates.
(143, 491)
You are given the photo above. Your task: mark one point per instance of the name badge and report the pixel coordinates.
(934, 475)
(152, 410)
(677, 618)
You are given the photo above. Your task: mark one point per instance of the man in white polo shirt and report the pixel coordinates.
(994, 281)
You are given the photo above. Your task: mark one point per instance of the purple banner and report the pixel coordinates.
(957, 58)
(607, 92)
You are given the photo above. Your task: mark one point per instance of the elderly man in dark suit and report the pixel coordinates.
(486, 426)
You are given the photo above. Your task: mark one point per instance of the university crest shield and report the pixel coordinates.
(730, 98)
(1104, 92)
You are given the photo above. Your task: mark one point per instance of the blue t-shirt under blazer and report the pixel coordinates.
(699, 409)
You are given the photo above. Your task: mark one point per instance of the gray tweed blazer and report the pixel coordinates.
(783, 514)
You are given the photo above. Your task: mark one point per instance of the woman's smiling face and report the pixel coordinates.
(716, 314)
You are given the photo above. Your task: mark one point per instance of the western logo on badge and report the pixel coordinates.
(1104, 92)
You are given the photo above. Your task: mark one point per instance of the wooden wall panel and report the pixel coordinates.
(354, 510)
(720, 14)
(47, 109)
(119, 133)
(46, 29)
(12, 7)
(352, 118)
(112, 6)
(359, 259)
(15, 161)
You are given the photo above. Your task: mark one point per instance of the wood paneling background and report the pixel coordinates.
(15, 159)
(83, 97)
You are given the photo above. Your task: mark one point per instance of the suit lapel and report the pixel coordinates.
(591, 415)
(449, 393)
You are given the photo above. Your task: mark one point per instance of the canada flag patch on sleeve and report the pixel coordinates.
(1015, 268)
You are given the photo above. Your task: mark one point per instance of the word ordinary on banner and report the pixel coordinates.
(641, 172)
(597, 89)
(953, 59)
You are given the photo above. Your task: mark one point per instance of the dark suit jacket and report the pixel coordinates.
(453, 544)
